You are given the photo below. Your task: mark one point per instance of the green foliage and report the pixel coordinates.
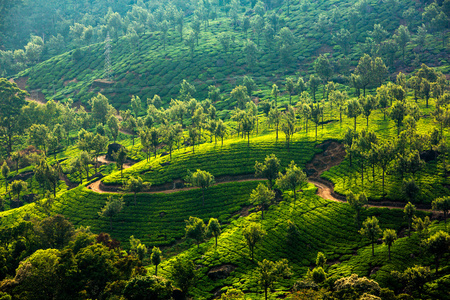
(253, 233)
(269, 272)
(371, 230)
(112, 208)
(438, 245)
(195, 229)
(156, 257)
(268, 169)
(148, 288)
(213, 228)
(293, 178)
(262, 196)
(183, 274)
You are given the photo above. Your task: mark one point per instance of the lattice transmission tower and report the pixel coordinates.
(108, 71)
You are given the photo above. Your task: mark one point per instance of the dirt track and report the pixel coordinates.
(332, 155)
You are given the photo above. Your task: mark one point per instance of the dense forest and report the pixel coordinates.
(224, 149)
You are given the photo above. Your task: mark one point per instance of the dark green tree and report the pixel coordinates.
(268, 169)
(195, 229)
(263, 197)
(371, 230)
(253, 233)
(112, 208)
(12, 99)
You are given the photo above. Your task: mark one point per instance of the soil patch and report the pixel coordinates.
(220, 272)
(333, 154)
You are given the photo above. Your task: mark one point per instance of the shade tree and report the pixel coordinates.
(409, 211)
(371, 230)
(268, 169)
(195, 229)
(201, 179)
(135, 185)
(438, 245)
(253, 234)
(112, 208)
(156, 258)
(213, 228)
(269, 272)
(263, 197)
(293, 178)
(358, 203)
(442, 204)
(12, 99)
(389, 237)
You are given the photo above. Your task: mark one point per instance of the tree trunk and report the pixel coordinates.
(156, 270)
(277, 131)
(316, 131)
(203, 197)
(216, 241)
(265, 292)
(389, 251)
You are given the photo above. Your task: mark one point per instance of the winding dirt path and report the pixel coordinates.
(333, 154)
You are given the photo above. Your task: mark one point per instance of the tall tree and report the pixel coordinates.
(371, 230)
(358, 203)
(409, 211)
(313, 84)
(269, 272)
(201, 179)
(135, 185)
(275, 118)
(213, 228)
(112, 208)
(17, 186)
(293, 178)
(12, 99)
(156, 258)
(195, 229)
(263, 197)
(253, 233)
(316, 112)
(385, 154)
(438, 245)
(268, 169)
(402, 36)
(442, 204)
(389, 237)
(101, 109)
(365, 71)
(398, 113)
(120, 157)
(353, 110)
(323, 68)
(5, 173)
(240, 95)
(368, 104)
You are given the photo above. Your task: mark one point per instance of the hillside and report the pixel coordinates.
(225, 149)
(220, 56)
